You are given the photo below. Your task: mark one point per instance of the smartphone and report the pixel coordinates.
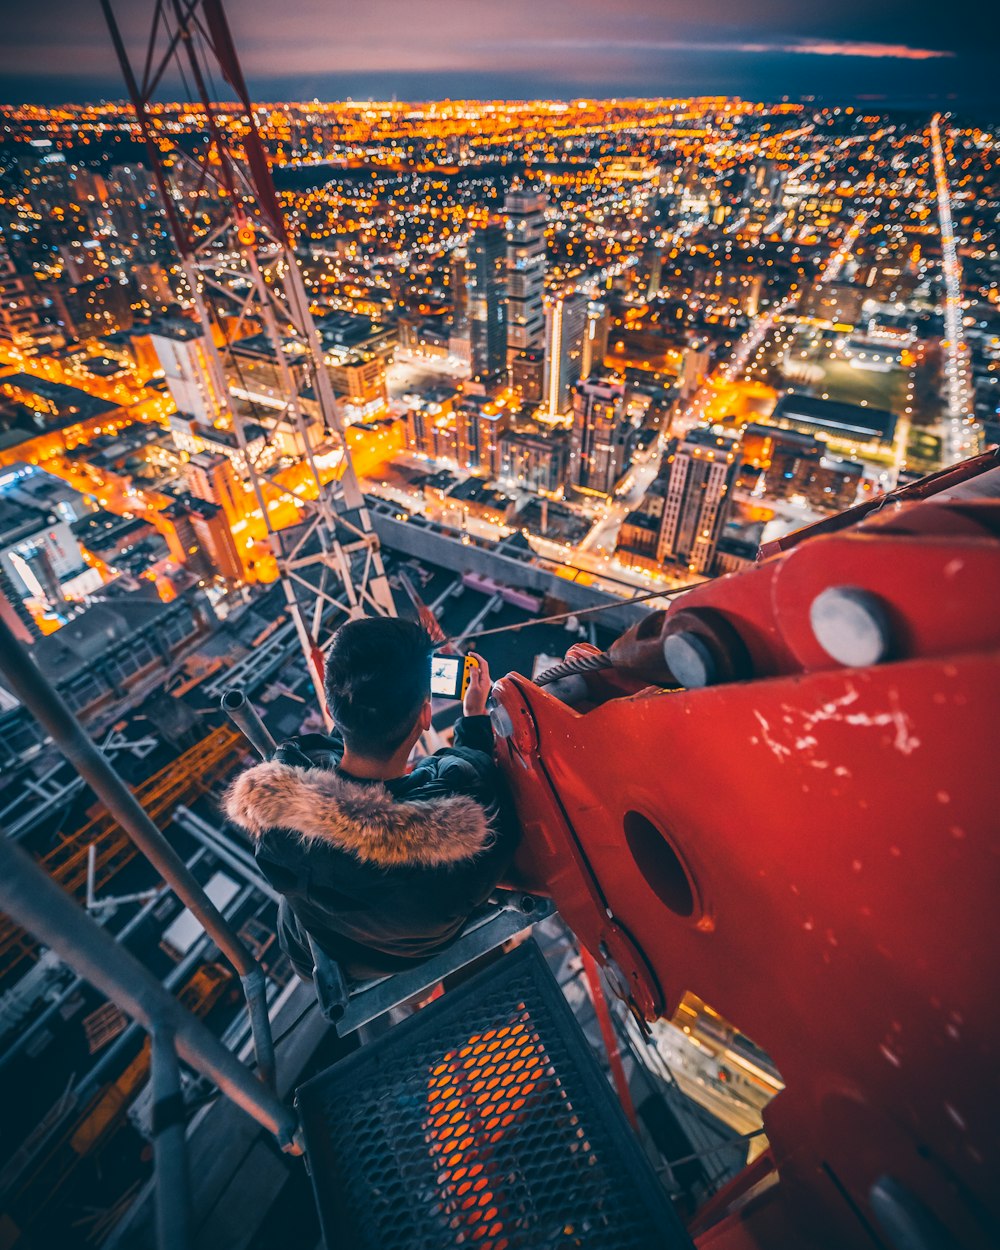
(450, 675)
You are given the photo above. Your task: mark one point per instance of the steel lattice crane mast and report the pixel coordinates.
(242, 271)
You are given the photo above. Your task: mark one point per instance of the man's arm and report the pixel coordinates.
(473, 730)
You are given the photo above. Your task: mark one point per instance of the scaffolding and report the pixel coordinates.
(180, 781)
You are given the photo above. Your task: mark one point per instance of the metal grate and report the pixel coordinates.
(483, 1121)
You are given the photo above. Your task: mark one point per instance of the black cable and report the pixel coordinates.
(564, 616)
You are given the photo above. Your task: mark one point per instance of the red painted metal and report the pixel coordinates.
(815, 852)
(593, 975)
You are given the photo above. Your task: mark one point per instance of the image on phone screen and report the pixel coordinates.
(445, 675)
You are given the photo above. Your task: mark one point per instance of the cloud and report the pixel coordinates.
(833, 47)
(781, 47)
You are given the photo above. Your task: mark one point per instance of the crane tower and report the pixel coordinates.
(243, 273)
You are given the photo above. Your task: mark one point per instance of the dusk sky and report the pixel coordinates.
(55, 50)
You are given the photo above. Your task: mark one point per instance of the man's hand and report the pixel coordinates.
(474, 703)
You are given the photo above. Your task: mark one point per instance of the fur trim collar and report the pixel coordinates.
(320, 805)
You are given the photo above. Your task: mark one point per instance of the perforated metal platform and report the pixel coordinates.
(483, 1121)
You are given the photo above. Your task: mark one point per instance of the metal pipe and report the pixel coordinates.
(39, 1023)
(173, 1178)
(39, 696)
(215, 844)
(190, 820)
(178, 975)
(247, 720)
(31, 898)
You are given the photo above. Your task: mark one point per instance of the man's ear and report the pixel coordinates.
(425, 716)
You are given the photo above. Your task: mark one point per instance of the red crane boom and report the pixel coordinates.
(806, 838)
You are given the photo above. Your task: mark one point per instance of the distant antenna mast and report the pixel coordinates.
(242, 269)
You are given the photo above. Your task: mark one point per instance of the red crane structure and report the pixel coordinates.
(806, 837)
(242, 271)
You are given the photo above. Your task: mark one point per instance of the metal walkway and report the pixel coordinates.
(484, 1121)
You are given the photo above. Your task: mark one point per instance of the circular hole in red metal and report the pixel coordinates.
(660, 864)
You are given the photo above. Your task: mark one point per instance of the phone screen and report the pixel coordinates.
(446, 675)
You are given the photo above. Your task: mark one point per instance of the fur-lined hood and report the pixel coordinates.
(319, 804)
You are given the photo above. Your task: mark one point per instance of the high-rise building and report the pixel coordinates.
(526, 262)
(430, 425)
(527, 376)
(20, 324)
(458, 284)
(135, 215)
(487, 302)
(202, 538)
(695, 364)
(595, 340)
(13, 611)
(215, 538)
(565, 332)
(648, 272)
(534, 461)
(479, 424)
(97, 306)
(601, 441)
(189, 373)
(764, 186)
(153, 289)
(211, 477)
(702, 471)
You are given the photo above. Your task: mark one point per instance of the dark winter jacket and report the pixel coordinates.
(381, 874)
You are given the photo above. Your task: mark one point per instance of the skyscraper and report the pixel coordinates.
(212, 478)
(527, 376)
(479, 424)
(595, 340)
(565, 330)
(487, 297)
(601, 437)
(702, 472)
(526, 260)
(20, 324)
(215, 539)
(458, 285)
(190, 373)
(695, 364)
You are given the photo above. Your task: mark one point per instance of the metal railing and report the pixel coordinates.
(34, 901)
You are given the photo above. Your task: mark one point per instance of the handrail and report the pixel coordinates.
(30, 896)
(173, 1178)
(27, 682)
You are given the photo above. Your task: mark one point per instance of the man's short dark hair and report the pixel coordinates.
(378, 674)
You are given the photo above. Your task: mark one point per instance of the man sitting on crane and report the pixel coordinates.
(380, 866)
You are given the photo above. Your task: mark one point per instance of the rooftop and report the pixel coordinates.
(94, 632)
(851, 420)
(708, 436)
(19, 521)
(104, 530)
(71, 404)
